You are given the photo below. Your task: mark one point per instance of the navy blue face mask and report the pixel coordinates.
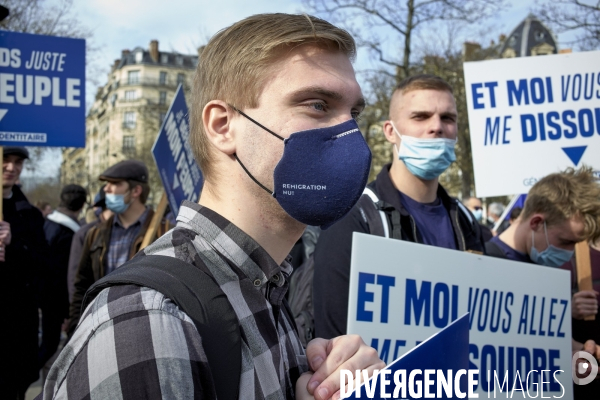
(321, 174)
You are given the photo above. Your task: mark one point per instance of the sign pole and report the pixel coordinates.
(155, 223)
(584, 270)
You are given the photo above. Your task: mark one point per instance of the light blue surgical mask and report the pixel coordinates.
(116, 203)
(426, 158)
(552, 256)
(477, 214)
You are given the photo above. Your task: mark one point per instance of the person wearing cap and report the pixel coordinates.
(111, 243)
(22, 252)
(59, 228)
(101, 214)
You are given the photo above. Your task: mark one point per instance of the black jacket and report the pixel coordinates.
(25, 257)
(332, 254)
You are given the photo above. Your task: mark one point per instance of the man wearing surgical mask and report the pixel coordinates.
(111, 243)
(422, 130)
(475, 206)
(561, 209)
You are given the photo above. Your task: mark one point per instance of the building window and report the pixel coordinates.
(162, 78)
(139, 56)
(129, 119)
(164, 58)
(133, 77)
(128, 143)
(162, 98)
(130, 95)
(113, 98)
(179, 60)
(180, 78)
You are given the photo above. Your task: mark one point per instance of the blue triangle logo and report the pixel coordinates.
(574, 153)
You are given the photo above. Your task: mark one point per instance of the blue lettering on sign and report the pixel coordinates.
(575, 87)
(445, 305)
(537, 89)
(172, 152)
(365, 296)
(553, 125)
(510, 366)
(483, 304)
(491, 86)
(42, 90)
(532, 320)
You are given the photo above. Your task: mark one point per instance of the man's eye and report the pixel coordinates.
(318, 106)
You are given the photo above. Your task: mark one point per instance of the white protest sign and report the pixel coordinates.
(401, 293)
(532, 116)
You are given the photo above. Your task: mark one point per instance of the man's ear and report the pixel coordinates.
(390, 134)
(136, 191)
(216, 117)
(536, 221)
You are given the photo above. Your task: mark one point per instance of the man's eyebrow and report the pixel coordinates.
(331, 94)
(429, 113)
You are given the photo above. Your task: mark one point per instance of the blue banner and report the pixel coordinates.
(415, 375)
(180, 175)
(42, 90)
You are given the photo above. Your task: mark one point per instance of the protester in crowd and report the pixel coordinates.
(77, 243)
(22, 252)
(514, 215)
(560, 210)
(494, 212)
(258, 82)
(44, 207)
(476, 207)
(585, 304)
(59, 229)
(422, 128)
(112, 242)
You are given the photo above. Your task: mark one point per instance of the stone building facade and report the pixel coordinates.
(127, 114)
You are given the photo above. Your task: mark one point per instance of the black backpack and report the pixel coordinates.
(201, 298)
(301, 281)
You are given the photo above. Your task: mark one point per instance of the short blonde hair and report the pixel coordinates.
(572, 193)
(235, 63)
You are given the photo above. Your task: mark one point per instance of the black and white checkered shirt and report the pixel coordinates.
(134, 343)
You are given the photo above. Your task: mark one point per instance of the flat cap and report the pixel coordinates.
(19, 151)
(126, 170)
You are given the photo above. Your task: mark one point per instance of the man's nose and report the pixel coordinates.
(435, 126)
(9, 166)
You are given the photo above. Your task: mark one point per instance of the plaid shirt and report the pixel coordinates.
(133, 342)
(121, 239)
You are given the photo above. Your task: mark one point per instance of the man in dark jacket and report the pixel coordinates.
(23, 255)
(78, 241)
(113, 242)
(423, 130)
(59, 228)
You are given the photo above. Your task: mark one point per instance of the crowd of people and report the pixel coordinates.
(275, 104)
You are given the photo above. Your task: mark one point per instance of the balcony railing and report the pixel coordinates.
(172, 83)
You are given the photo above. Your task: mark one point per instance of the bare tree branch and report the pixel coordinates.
(579, 16)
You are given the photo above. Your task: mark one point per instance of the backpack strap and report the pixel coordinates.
(201, 298)
(375, 217)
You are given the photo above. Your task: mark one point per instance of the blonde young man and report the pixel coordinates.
(422, 130)
(561, 209)
(275, 97)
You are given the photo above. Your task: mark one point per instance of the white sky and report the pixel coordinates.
(183, 25)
